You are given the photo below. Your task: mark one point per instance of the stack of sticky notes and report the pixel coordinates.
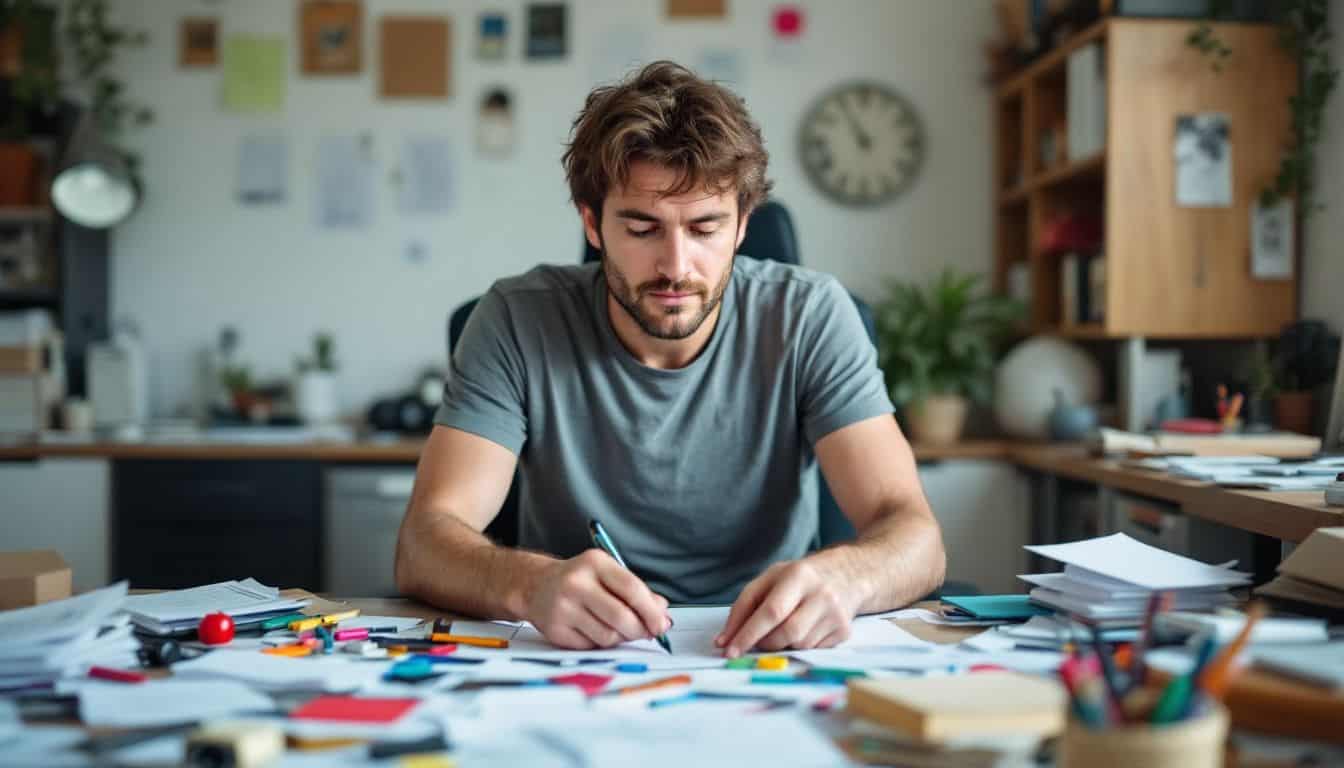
(1108, 580)
(940, 708)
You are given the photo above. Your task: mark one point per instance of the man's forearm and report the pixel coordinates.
(895, 560)
(443, 561)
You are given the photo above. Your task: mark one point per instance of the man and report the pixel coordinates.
(677, 395)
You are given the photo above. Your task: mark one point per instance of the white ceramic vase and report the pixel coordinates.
(315, 397)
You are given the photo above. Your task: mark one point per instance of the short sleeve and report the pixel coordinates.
(485, 391)
(839, 380)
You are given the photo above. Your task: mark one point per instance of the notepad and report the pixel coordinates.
(355, 709)
(1006, 607)
(936, 708)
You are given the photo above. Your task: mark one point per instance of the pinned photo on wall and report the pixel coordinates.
(546, 31)
(415, 54)
(254, 74)
(425, 179)
(198, 43)
(345, 182)
(696, 9)
(494, 36)
(332, 37)
(494, 125)
(1202, 151)
(263, 170)
(787, 24)
(1272, 240)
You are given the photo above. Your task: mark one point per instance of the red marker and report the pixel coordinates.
(116, 675)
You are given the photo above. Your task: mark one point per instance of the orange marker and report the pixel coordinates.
(664, 682)
(480, 642)
(288, 650)
(1217, 676)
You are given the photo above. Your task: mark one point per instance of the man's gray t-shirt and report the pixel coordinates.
(703, 475)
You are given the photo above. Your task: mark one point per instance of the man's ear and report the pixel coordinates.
(741, 232)
(590, 225)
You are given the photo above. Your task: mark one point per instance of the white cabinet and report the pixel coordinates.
(59, 504)
(984, 508)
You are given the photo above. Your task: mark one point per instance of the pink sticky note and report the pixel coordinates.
(590, 684)
(354, 709)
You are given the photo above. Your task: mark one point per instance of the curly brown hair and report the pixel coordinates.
(665, 114)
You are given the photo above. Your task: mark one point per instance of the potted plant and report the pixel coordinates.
(29, 88)
(315, 386)
(937, 348)
(1261, 390)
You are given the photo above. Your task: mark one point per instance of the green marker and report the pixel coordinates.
(604, 542)
(281, 622)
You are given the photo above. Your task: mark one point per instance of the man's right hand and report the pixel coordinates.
(590, 601)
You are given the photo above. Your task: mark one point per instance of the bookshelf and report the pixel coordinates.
(1170, 272)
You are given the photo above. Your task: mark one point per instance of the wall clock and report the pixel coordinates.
(861, 144)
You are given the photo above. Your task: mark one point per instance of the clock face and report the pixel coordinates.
(861, 144)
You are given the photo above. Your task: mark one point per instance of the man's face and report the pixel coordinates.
(667, 260)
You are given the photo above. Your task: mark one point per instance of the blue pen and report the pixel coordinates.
(604, 542)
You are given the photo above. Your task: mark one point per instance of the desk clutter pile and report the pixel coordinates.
(293, 679)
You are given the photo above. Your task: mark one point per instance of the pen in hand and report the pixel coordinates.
(604, 543)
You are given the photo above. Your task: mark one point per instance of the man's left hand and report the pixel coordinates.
(798, 604)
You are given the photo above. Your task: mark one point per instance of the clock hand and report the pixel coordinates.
(860, 136)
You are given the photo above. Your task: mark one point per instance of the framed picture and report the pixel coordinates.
(332, 37)
(494, 35)
(198, 43)
(546, 37)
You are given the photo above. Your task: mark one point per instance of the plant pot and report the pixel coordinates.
(315, 397)
(938, 420)
(18, 174)
(1292, 412)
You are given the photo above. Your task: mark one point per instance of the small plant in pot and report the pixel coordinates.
(28, 90)
(315, 387)
(937, 347)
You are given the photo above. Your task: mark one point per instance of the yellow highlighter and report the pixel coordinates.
(305, 624)
(335, 618)
(480, 642)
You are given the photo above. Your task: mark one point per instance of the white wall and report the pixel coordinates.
(192, 259)
(1323, 281)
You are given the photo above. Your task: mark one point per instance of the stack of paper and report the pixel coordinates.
(1108, 580)
(166, 613)
(41, 644)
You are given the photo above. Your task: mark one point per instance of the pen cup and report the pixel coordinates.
(1196, 742)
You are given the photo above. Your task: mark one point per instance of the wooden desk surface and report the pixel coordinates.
(1289, 515)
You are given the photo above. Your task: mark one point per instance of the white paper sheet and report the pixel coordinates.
(1120, 557)
(235, 598)
(659, 739)
(328, 673)
(427, 182)
(345, 183)
(263, 170)
(163, 702)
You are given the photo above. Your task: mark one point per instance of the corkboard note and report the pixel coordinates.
(697, 9)
(198, 43)
(415, 57)
(332, 37)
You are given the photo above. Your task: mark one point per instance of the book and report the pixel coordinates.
(1285, 445)
(938, 708)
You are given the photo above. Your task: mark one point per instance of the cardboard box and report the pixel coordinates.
(1317, 559)
(32, 577)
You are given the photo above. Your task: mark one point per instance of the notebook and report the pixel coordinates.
(1321, 664)
(937, 708)
(1003, 607)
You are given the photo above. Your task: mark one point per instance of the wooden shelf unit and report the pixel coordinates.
(1170, 272)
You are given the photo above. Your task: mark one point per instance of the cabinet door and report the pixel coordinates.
(1184, 271)
(186, 523)
(59, 504)
(984, 510)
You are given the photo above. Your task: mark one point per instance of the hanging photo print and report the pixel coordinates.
(494, 127)
(494, 35)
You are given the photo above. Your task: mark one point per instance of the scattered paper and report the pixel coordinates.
(345, 183)
(426, 175)
(1119, 557)
(163, 702)
(328, 673)
(263, 170)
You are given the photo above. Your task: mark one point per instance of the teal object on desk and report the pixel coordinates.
(997, 607)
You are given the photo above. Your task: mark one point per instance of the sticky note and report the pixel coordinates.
(355, 709)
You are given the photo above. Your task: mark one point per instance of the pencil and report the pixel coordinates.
(480, 642)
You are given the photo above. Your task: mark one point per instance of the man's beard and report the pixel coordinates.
(648, 321)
